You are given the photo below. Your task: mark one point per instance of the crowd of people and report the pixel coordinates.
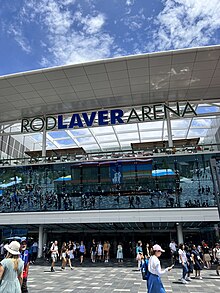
(37, 198)
(192, 258)
(76, 251)
(16, 258)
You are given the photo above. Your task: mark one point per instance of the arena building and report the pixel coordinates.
(117, 149)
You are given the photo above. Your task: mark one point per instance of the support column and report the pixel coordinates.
(40, 241)
(44, 237)
(217, 236)
(169, 131)
(44, 144)
(179, 233)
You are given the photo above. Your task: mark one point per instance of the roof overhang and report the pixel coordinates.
(180, 75)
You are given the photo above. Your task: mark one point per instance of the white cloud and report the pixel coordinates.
(134, 22)
(95, 23)
(70, 36)
(19, 38)
(129, 2)
(92, 24)
(186, 23)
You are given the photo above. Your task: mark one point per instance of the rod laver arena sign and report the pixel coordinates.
(106, 117)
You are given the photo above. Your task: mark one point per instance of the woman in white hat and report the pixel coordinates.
(11, 269)
(154, 284)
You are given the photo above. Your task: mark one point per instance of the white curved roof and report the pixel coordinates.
(182, 75)
(189, 74)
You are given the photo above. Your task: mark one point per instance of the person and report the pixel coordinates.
(197, 262)
(108, 251)
(34, 251)
(139, 253)
(93, 251)
(173, 251)
(206, 255)
(82, 252)
(54, 254)
(189, 262)
(63, 254)
(2, 251)
(216, 255)
(11, 269)
(25, 256)
(147, 252)
(119, 252)
(184, 262)
(154, 283)
(99, 251)
(69, 254)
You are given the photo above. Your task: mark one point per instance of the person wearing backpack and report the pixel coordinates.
(144, 269)
(154, 283)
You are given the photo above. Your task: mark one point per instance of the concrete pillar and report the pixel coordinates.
(179, 233)
(216, 228)
(44, 144)
(40, 241)
(169, 131)
(44, 238)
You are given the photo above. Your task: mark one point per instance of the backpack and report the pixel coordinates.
(144, 270)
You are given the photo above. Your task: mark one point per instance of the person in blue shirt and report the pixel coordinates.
(34, 249)
(25, 256)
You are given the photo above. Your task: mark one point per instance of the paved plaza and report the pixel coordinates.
(112, 277)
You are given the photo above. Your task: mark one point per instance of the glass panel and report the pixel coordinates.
(102, 130)
(66, 142)
(151, 134)
(125, 128)
(58, 134)
(105, 138)
(201, 123)
(150, 125)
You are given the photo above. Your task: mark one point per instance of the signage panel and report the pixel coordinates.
(106, 117)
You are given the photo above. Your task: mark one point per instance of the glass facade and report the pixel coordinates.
(157, 182)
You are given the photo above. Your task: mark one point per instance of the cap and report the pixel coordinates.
(13, 247)
(23, 239)
(157, 247)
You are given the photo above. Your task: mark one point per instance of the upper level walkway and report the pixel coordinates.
(209, 214)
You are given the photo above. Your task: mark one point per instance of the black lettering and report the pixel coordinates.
(157, 111)
(145, 113)
(167, 108)
(24, 124)
(47, 123)
(135, 117)
(34, 127)
(191, 110)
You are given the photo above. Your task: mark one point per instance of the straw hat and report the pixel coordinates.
(13, 247)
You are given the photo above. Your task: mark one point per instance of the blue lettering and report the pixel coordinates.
(89, 121)
(102, 116)
(116, 116)
(60, 122)
(75, 121)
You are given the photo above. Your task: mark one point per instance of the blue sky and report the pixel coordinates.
(41, 33)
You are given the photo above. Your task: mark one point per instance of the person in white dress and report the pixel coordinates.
(119, 252)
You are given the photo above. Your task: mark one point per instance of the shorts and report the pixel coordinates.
(54, 257)
(81, 253)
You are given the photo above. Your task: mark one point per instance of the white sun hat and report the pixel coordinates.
(13, 247)
(157, 247)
